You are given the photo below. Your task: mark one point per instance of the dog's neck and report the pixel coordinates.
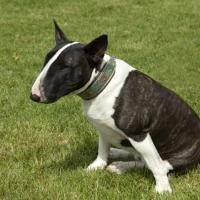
(98, 80)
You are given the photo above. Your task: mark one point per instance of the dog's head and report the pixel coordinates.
(67, 67)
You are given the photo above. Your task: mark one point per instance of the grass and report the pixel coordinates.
(45, 149)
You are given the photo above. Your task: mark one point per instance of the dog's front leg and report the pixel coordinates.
(102, 158)
(154, 162)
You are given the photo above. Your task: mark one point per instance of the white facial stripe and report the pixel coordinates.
(50, 62)
(36, 85)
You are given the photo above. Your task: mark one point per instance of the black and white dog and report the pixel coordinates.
(131, 111)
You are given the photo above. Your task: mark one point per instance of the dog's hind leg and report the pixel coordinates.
(154, 162)
(116, 153)
(121, 167)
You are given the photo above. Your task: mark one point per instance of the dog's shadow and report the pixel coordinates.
(82, 155)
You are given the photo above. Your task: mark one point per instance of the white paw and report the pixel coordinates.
(117, 167)
(97, 164)
(160, 188)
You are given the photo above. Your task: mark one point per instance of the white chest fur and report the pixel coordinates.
(100, 109)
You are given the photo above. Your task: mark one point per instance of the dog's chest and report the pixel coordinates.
(100, 112)
(100, 115)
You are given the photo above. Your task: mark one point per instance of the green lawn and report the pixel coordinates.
(44, 149)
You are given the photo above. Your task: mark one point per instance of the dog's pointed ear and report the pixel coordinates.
(96, 49)
(59, 35)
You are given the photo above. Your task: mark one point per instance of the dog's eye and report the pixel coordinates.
(65, 69)
(68, 61)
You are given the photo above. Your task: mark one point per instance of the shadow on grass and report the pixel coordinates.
(82, 155)
(78, 157)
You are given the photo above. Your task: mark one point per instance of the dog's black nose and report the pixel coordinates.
(34, 97)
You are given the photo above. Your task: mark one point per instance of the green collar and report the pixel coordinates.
(100, 82)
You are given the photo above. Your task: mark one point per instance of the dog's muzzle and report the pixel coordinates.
(35, 98)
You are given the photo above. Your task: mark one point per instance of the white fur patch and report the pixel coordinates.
(36, 86)
(154, 162)
(97, 164)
